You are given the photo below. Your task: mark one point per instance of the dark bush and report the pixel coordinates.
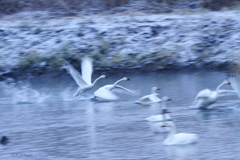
(72, 6)
(9, 6)
(12, 6)
(218, 4)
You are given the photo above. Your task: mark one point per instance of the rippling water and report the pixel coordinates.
(44, 121)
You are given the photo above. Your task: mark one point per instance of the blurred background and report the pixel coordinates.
(180, 46)
(143, 34)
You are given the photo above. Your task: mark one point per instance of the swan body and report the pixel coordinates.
(174, 138)
(84, 81)
(207, 97)
(106, 92)
(159, 117)
(164, 116)
(151, 98)
(156, 121)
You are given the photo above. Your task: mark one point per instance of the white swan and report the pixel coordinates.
(235, 85)
(151, 98)
(174, 138)
(84, 82)
(106, 92)
(164, 116)
(207, 97)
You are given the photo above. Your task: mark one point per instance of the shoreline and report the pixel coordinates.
(151, 42)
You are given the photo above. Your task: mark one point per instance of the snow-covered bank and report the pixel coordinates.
(147, 42)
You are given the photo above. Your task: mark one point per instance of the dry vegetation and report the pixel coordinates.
(73, 6)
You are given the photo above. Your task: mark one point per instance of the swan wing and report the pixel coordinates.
(87, 69)
(235, 85)
(105, 93)
(224, 92)
(75, 75)
(119, 88)
(143, 99)
(155, 118)
(206, 93)
(154, 98)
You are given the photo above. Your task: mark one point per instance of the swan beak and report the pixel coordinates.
(127, 79)
(104, 76)
(157, 88)
(169, 99)
(228, 82)
(164, 125)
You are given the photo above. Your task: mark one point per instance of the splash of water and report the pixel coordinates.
(67, 95)
(18, 93)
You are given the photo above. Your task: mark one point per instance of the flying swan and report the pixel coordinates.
(207, 97)
(106, 92)
(151, 98)
(174, 138)
(84, 81)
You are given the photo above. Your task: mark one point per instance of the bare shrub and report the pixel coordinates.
(218, 4)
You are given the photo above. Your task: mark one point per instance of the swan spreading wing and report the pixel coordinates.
(235, 85)
(105, 93)
(75, 75)
(204, 93)
(154, 98)
(144, 99)
(87, 69)
(121, 89)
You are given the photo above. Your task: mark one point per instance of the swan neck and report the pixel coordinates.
(96, 80)
(217, 89)
(163, 104)
(173, 131)
(153, 90)
(117, 82)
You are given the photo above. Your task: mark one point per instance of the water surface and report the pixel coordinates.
(44, 121)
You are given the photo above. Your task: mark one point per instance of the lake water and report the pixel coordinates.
(44, 121)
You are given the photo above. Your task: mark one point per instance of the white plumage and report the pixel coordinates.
(84, 81)
(207, 97)
(107, 92)
(174, 138)
(164, 115)
(151, 98)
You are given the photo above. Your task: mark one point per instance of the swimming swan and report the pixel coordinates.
(106, 92)
(84, 82)
(151, 98)
(207, 97)
(164, 116)
(174, 138)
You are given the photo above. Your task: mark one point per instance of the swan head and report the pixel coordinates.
(166, 98)
(103, 76)
(168, 124)
(126, 79)
(227, 82)
(165, 125)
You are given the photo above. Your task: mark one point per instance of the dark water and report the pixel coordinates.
(44, 121)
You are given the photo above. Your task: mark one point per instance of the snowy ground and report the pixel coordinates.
(147, 42)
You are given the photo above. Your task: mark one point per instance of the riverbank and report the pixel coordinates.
(128, 42)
